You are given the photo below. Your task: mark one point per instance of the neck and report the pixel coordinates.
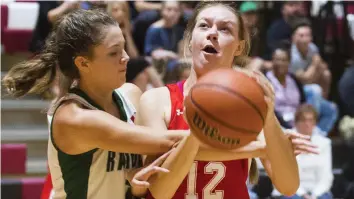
(103, 98)
(281, 78)
(167, 24)
(191, 80)
(302, 50)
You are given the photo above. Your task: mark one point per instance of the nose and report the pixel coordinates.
(125, 57)
(213, 34)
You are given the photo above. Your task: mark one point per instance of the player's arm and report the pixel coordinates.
(280, 162)
(77, 130)
(151, 113)
(180, 160)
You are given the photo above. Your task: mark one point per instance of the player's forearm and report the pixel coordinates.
(251, 150)
(281, 157)
(178, 163)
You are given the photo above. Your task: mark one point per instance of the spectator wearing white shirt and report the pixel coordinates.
(315, 169)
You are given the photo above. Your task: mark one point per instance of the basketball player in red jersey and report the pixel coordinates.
(216, 37)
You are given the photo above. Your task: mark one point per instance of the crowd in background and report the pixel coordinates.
(310, 96)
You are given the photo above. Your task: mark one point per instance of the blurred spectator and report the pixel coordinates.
(306, 62)
(281, 28)
(249, 13)
(315, 171)
(141, 5)
(139, 70)
(290, 94)
(144, 13)
(49, 12)
(164, 36)
(96, 4)
(346, 90)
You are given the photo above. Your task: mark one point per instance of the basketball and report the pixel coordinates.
(226, 109)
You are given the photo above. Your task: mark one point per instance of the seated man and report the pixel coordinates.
(315, 170)
(306, 62)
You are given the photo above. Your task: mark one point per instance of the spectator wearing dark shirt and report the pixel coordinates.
(163, 37)
(139, 71)
(346, 90)
(49, 12)
(281, 29)
(144, 13)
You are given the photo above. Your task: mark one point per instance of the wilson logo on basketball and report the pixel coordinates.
(212, 132)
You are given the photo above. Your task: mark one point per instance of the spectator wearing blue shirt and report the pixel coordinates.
(163, 37)
(281, 29)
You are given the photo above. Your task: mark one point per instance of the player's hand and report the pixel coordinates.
(301, 143)
(142, 176)
(269, 94)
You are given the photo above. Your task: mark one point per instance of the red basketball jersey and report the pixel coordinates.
(207, 180)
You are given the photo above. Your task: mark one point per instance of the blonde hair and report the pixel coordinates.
(240, 60)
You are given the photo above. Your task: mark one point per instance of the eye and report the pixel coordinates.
(224, 29)
(203, 25)
(112, 54)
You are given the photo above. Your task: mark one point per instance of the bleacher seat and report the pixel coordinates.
(20, 20)
(4, 16)
(13, 158)
(24, 188)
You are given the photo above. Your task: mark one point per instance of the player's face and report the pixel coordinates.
(306, 124)
(280, 62)
(214, 42)
(109, 63)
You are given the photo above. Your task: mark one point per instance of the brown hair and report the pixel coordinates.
(75, 34)
(243, 32)
(303, 109)
(239, 60)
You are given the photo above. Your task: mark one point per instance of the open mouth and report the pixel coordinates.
(210, 49)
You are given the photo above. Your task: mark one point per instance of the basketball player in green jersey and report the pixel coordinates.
(93, 143)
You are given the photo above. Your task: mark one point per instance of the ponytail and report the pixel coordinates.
(253, 176)
(33, 76)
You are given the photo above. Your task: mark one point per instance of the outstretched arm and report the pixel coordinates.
(180, 160)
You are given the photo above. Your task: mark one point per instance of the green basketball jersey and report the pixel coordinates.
(96, 174)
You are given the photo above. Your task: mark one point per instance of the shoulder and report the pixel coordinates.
(313, 47)
(273, 29)
(152, 30)
(156, 96)
(132, 92)
(130, 89)
(158, 24)
(68, 114)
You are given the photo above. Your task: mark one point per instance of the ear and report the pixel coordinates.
(82, 64)
(240, 48)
